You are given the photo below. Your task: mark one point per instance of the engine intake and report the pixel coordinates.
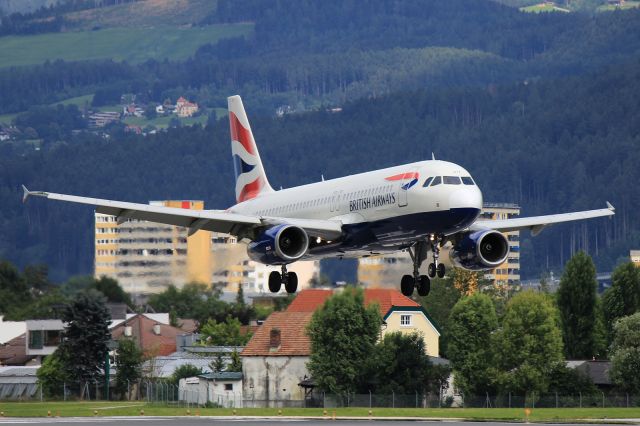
(480, 250)
(278, 245)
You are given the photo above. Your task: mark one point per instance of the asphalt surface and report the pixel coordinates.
(217, 421)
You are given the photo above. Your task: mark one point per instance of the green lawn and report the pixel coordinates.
(7, 118)
(119, 408)
(163, 121)
(626, 5)
(122, 44)
(543, 7)
(80, 101)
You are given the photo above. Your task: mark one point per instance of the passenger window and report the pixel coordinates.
(427, 182)
(436, 181)
(451, 180)
(467, 180)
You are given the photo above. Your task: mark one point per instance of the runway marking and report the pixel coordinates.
(116, 406)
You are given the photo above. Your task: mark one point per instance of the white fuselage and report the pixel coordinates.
(392, 204)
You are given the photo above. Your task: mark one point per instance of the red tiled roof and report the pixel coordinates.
(387, 298)
(142, 332)
(14, 352)
(310, 300)
(293, 338)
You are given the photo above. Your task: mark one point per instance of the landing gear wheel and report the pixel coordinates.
(431, 270)
(440, 270)
(424, 286)
(291, 284)
(406, 285)
(275, 281)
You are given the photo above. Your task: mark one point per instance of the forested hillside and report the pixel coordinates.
(550, 146)
(541, 108)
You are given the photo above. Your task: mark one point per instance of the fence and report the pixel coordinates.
(165, 393)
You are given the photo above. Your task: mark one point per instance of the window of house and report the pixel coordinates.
(228, 386)
(405, 319)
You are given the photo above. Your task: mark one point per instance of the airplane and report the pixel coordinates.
(416, 207)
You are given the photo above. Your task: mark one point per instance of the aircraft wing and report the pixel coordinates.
(208, 220)
(537, 223)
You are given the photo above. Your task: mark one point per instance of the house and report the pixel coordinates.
(223, 389)
(596, 370)
(152, 332)
(184, 108)
(399, 313)
(274, 361)
(43, 337)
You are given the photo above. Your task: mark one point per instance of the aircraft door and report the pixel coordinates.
(408, 180)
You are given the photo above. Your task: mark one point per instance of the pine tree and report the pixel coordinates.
(577, 303)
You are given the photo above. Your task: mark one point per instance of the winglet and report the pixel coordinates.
(25, 194)
(610, 207)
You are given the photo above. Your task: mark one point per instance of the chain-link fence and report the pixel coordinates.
(165, 393)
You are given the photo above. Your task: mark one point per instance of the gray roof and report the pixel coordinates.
(436, 360)
(224, 375)
(18, 371)
(597, 371)
(212, 349)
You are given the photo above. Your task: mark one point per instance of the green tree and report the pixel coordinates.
(218, 364)
(471, 324)
(14, 292)
(236, 362)
(112, 290)
(441, 300)
(529, 345)
(625, 354)
(623, 298)
(343, 333)
(184, 371)
(129, 364)
(85, 337)
(52, 374)
(577, 302)
(226, 333)
(399, 364)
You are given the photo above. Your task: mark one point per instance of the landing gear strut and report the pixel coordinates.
(418, 254)
(288, 279)
(436, 268)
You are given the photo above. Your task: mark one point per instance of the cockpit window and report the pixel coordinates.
(451, 180)
(467, 180)
(427, 182)
(436, 181)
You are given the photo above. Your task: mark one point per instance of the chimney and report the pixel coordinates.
(274, 339)
(156, 329)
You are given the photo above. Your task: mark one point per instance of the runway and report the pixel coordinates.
(220, 421)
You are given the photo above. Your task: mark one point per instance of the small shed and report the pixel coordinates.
(18, 382)
(223, 389)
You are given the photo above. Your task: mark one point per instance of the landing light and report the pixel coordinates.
(318, 240)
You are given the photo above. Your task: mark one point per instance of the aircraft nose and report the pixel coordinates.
(466, 197)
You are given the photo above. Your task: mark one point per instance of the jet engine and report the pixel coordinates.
(480, 250)
(279, 245)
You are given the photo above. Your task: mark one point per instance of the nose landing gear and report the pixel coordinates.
(288, 279)
(436, 268)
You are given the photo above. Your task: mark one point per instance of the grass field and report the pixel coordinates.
(543, 7)
(121, 44)
(163, 122)
(627, 5)
(119, 408)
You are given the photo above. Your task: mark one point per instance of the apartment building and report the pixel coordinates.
(387, 270)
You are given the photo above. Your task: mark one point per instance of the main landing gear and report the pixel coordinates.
(288, 279)
(418, 254)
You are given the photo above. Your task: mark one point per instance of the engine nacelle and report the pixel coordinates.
(480, 250)
(279, 245)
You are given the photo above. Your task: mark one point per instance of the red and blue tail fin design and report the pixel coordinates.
(251, 181)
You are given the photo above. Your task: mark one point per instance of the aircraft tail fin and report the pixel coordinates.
(251, 180)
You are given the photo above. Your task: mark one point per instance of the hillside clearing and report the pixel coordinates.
(134, 45)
